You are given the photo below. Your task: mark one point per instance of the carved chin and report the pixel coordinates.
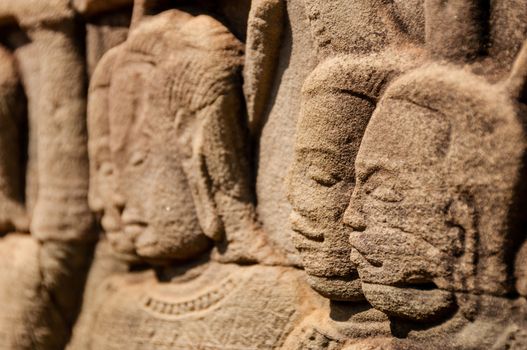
(337, 288)
(409, 302)
(123, 247)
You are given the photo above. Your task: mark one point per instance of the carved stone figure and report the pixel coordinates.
(435, 209)
(391, 172)
(435, 138)
(339, 98)
(303, 35)
(194, 163)
(170, 173)
(318, 183)
(264, 174)
(438, 207)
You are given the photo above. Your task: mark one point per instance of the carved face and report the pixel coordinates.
(422, 173)
(169, 90)
(321, 178)
(157, 215)
(397, 210)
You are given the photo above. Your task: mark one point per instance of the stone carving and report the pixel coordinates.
(265, 174)
(186, 129)
(211, 170)
(42, 275)
(313, 31)
(420, 256)
(206, 306)
(437, 209)
(339, 98)
(263, 45)
(470, 182)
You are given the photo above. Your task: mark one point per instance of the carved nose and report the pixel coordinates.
(119, 202)
(353, 216)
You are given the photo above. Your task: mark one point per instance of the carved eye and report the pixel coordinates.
(324, 178)
(386, 194)
(138, 157)
(106, 169)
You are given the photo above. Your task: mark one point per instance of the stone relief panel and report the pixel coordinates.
(198, 113)
(186, 127)
(338, 99)
(263, 174)
(434, 221)
(416, 236)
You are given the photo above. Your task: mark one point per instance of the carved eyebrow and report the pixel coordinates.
(96, 86)
(357, 93)
(138, 57)
(371, 169)
(147, 130)
(329, 151)
(418, 104)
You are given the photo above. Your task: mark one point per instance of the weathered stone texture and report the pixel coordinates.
(263, 174)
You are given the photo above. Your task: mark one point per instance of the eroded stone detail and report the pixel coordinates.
(42, 273)
(166, 308)
(339, 98)
(426, 187)
(265, 174)
(188, 124)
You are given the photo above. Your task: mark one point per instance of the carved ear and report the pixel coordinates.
(189, 134)
(517, 82)
(213, 147)
(461, 220)
(201, 189)
(264, 30)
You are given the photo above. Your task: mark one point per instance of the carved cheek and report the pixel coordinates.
(296, 182)
(304, 193)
